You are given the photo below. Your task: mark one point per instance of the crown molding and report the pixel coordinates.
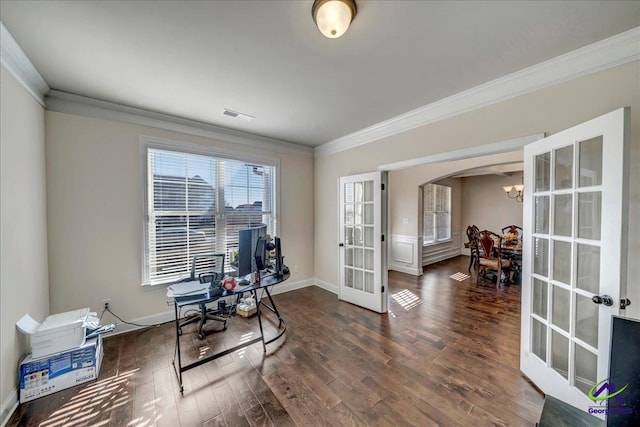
(611, 52)
(16, 62)
(66, 102)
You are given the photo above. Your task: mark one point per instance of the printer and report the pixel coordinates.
(58, 333)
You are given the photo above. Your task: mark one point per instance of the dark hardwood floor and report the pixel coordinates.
(446, 354)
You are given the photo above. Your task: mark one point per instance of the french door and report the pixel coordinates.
(362, 252)
(574, 255)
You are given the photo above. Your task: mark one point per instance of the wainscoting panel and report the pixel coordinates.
(441, 251)
(404, 254)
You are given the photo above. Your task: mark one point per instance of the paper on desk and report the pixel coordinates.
(27, 325)
(187, 288)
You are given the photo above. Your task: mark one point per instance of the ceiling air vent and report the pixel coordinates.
(236, 115)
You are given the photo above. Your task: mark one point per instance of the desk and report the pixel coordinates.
(182, 301)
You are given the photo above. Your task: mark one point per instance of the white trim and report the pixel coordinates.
(499, 147)
(442, 255)
(399, 263)
(405, 269)
(326, 286)
(151, 320)
(18, 64)
(291, 286)
(147, 142)
(169, 316)
(611, 52)
(65, 102)
(8, 407)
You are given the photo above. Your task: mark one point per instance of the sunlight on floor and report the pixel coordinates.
(406, 299)
(246, 337)
(95, 401)
(203, 350)
(459, 276)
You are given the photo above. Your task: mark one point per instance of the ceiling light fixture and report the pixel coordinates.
(333, 17)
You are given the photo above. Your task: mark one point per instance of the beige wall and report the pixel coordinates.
(403, 187)
(486, 204)
(95, 212)
(550, 110)
(24, 285)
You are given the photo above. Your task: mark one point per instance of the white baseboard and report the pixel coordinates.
(168, 316)
(405, 269)
(8, 407)
(288, 287)
(326, 286)
(441, 256)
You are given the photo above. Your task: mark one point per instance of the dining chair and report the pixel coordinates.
(472, 244)
(490, 256)
(514, 230)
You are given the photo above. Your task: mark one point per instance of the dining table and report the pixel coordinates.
(512, 250)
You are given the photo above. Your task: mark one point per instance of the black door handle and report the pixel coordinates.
(604, 299)
(341, 245)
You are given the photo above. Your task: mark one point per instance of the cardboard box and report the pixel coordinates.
(47, 375)
(246, 312)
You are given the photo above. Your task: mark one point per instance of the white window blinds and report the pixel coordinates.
(436, 202)
(196, 204)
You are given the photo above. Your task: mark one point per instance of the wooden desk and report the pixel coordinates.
(265, 283)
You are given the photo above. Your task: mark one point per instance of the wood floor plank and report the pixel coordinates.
(450, 361)
(144, 408)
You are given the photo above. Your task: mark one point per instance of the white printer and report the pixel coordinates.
(59, 332)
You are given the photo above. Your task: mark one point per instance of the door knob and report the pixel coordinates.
(604, 299)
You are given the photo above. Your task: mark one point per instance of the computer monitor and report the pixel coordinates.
(247, 241)
(261, 252)
(280, 267)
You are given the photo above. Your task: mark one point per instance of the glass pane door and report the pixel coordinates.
(566, 260)
(574, 249)
(362, 277)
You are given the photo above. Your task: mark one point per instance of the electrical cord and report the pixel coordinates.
(129, 323)
(231, 311)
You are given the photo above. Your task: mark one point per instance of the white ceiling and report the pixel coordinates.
(267, 59)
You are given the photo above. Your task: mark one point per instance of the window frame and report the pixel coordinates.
(150, 142)
(436, 241)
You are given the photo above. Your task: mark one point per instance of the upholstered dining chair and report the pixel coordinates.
(514, 230)
(489, 256)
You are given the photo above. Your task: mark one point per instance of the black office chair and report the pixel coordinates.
(207, 268)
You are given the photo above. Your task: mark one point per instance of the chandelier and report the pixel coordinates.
(515, 192)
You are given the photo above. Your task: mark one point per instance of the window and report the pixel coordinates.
(196, 204)
(436, 203)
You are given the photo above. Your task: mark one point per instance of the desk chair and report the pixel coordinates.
(207, 268)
